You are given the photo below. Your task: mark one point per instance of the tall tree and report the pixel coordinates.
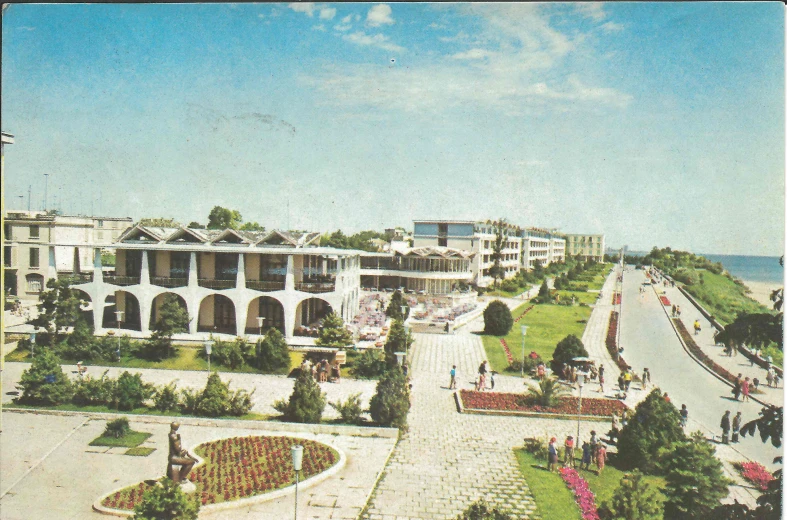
(252, 226)
(60, 307)
(394, 309)
(498, 244)
(223, 218)
(172, 318)
(398, 341)
(333, 332)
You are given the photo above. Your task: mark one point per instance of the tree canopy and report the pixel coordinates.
(333, 333)
(223, 218)
(360, 240)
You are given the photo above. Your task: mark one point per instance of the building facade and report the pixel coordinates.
(225, 279)
(541, 245)
(587, 247)
(35, 240)
(429, 270)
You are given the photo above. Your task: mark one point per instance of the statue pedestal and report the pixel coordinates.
(188, 487)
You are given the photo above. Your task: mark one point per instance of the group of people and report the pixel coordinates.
(593, 452)
(726, 425)
(676, 311)
(322, 371)
(481, 378)
(742, 387)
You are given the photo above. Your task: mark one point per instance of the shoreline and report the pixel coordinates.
(761, 291)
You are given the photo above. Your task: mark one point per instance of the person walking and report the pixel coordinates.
(745, 388)
(736, 388)
(452, 384)
(593, 445)
(621, 382)
(601, 382)
(627, 378)
(601, 458)
(552, 449)
(684, 415)
(697, 327)
(769, 376)
(645, 378)
(736, 426)
(725, 428)
(482, 376)
(674, 310)
(568, 452)
(586, 456)
(667, 397)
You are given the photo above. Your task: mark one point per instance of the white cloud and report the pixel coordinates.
(303, 7)
(260, 15)
(473, 54)
(378, 15)
(342, 28)
(378, 40)
(320, 28)
(593, 10)
(611, 27)
(460, 36)
(347, 19)
(434, 25)
(327, 13)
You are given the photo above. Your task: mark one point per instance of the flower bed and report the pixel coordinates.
(616, 298)
(755, 473)
(665, 301)
(612, 341)
(523, 314)
(516, 403)
(241, 467)
(702, 356)
(507, 350)
(585, 498)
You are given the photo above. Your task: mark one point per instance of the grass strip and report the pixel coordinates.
(139, 451)
(554, 501)
(130, 440)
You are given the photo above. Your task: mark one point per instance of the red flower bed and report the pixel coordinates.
(523, 314)
(515, 402)
(665, 301)
(616, 298)
(242, 467)
(702, 356)
(612, 341)
(507, 350)
(755, 473)
(585, 498)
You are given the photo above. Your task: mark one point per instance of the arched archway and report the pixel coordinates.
(158, 301)
(86, 309)
(128, 304)
(269, 308)
(216, 314)
(309, 312)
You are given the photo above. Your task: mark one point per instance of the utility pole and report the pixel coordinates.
(29, 191)
(46, 189)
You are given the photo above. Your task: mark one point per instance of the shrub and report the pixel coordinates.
(306, 403)
(131, 392)
(89, 391)
(117, 428)
(480, 510)
(497, 318)
(349, 410)
(369, 365)
(543, 293)
(547, 393)
(398, 341)
(273, 355)
(333, 333)
(167, 502)
(654, 425)
(537, 447)
(567, 349)
(216, 399)
(189, 399)
(231, 354)
(45, 382)
(166, 398)
(509, 285)
(391, 402)
(632, 500)
(394, 309)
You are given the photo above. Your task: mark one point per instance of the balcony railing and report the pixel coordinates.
(262, 285)
(76, 278)
(165, 281)
(211, 283)
(315, 287)
(121, 280)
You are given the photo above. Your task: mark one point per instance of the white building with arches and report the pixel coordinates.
(225, 279)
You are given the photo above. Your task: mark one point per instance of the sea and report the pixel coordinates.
(751, 268)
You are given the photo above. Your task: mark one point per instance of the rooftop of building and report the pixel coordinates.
(49, 216)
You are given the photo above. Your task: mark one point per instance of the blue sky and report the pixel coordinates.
(656, 124)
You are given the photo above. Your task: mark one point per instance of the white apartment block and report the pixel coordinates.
(587, 247)
(38, 246)
(227, 280)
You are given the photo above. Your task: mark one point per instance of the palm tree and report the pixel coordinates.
(547, 393)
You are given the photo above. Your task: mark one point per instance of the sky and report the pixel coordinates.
(657, 124)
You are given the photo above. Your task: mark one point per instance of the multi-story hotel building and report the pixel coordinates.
(543, 246)
(475, 237)
(588, 247)
(35, 240)
(225, 279)
(430, 269)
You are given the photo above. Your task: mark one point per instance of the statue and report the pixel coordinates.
(178, 456)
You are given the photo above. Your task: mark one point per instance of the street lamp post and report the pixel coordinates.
(33, 344)
(399, 357)
(404, 310)
(524, 331)
(260, 321)
(208, 350)
(119, 316)
(580, 383)
(297, 463)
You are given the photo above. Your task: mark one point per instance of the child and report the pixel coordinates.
(586, 454)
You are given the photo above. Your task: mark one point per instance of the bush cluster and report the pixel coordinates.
(497, 318)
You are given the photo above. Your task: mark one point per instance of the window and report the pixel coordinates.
(34, 257)
(34, 231)
(7, 229)
(100, 223)
(35, 282)
(442, 241)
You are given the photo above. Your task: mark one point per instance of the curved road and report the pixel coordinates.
(650, 341)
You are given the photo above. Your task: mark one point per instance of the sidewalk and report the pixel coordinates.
(735, 364)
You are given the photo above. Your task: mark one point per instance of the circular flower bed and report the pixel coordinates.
(241, 467)
(516, 403)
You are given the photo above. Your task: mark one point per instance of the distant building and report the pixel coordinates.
(541, 245)
(428, 269)
(39, 246)
(6, 139)
(586, 246)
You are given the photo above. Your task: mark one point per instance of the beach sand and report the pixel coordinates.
(761, 291)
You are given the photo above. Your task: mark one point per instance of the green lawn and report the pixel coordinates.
(554, 501)
(139, 451)
(547, 325)
(553, 496)
(723, 298)
(130, 440)
(136, 411)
